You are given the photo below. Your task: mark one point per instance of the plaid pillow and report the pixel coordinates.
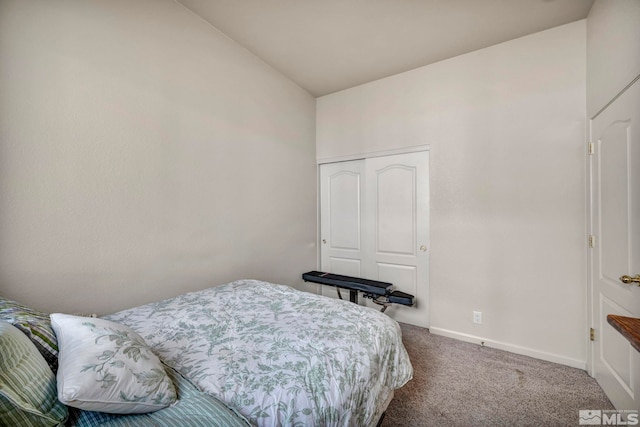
(34, 324)
(28, 395)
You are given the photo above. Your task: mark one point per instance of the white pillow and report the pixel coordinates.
(107, 367)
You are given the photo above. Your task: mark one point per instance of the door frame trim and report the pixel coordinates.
(369, 154)
(591, 323)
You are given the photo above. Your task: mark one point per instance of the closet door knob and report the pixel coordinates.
(629, 279)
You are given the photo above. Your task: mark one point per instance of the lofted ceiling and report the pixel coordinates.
(329, 45)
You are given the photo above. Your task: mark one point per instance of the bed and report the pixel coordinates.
(275, 355)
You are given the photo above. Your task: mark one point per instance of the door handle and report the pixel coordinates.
(628, 279)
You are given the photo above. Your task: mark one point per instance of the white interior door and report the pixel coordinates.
(374, 224)
(396, 241)
(615, 215)
(341, 219)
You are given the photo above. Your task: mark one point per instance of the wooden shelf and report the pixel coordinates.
(629, 327)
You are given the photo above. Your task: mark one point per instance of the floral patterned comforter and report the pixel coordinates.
(278, 355)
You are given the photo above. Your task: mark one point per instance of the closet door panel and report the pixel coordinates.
(395, 216)
(344, 210)
(341, 220)
(395, 246)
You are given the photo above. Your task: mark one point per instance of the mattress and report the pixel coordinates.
(277, 355)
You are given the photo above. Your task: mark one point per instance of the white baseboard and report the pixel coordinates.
(549, 357)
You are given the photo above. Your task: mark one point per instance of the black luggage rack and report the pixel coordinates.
(381, 293)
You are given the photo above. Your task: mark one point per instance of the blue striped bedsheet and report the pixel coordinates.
(193, 409)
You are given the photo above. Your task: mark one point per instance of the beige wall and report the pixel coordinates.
(144, 154)
(506, 131)
(613, 50)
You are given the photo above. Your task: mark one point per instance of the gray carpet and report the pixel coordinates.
(456, 383)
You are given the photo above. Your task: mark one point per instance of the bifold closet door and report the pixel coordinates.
(374, 224)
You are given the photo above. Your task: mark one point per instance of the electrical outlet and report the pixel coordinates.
(477, 317)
